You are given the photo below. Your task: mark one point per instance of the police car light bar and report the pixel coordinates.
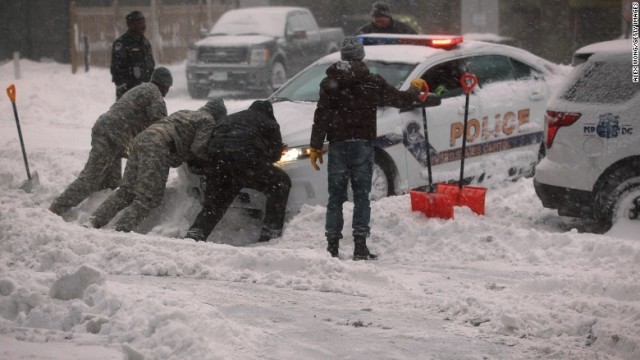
(436, 41)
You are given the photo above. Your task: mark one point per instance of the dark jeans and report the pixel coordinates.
(230, 173)
(349, 160)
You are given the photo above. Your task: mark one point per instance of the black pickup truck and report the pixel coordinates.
(257, 49)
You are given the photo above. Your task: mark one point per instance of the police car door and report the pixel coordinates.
(502, 136)
(444, 125)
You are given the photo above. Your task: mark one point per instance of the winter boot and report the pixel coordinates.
(195, 234)
(332, 247)
(267, 233)
(360, 251)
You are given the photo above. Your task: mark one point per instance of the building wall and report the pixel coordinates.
(38, 29)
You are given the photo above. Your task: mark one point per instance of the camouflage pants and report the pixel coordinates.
(103, 170)
(143, 183)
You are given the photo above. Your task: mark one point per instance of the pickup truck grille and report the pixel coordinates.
(226, 55)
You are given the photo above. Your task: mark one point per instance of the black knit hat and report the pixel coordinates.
(380, 8)
(351, 49)
(133, 16)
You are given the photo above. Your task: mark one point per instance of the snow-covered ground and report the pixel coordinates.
(517, 283)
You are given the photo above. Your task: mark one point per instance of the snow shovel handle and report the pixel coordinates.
(424, 93)
(468, 82)
(11, 92)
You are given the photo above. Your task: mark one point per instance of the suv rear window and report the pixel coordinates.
(601, 82)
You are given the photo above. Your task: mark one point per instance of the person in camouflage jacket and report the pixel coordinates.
(111, 137)
(163, 145)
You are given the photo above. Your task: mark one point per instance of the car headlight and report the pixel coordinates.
(259, 56)
(293, 154)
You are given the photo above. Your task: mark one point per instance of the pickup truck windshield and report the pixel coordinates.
(245, 23)
(306, 86)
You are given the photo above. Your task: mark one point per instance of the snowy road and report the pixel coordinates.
(517, 283)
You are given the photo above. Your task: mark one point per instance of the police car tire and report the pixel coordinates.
(383, 166)
(622, 183)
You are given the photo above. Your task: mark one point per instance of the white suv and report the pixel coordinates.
(592, 140)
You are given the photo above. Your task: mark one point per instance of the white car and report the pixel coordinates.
(592, 138)
(505, 125)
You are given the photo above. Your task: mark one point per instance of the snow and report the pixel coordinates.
(517, 283)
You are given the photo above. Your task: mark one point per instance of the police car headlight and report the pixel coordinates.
(293, 154)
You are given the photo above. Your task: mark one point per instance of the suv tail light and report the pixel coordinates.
(554, 120)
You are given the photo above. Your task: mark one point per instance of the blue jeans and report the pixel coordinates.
(349, 160)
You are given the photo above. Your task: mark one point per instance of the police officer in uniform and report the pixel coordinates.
(131, 57)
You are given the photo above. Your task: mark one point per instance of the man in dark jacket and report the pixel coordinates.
(383, 22)
(131, 57)
(346, 117)
(244, 147)
(163, 145)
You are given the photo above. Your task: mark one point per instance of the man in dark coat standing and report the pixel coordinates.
(346, 117)
(131, 57)
(383, 22)
(244, 147)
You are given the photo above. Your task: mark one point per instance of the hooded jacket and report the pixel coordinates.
(349, 97)
(252, 134)
(395, 27)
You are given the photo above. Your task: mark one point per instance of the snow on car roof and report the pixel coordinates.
(415, 54)
(612, 45)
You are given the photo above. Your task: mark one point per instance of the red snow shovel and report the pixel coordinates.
(430, 203)
(470, 196)
(32, 180)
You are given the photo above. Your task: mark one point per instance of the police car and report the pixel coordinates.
(505, 125)
(592, 139)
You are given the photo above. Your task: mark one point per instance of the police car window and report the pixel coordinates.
(444, 79)
(522, 71)
(490, 68)
(394, 73)
(601, 82)
(305, 87)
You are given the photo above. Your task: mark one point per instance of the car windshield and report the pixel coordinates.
(306, 86)
(601, 82)
(250, 23)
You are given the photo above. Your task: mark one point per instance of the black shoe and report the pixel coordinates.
(195, 234)
(333, 247)
(264, 238)
(360, 250)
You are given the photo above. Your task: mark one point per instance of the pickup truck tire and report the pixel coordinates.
(197, 93)
(278, 76)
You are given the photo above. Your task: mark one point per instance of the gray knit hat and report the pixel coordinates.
(162, 76)
(380, 8)
(215, 107)
(351, 49)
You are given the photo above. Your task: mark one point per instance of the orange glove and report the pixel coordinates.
(315, 155)
(418, 83)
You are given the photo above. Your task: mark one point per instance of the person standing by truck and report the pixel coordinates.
(131, 56)
(383, 22)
